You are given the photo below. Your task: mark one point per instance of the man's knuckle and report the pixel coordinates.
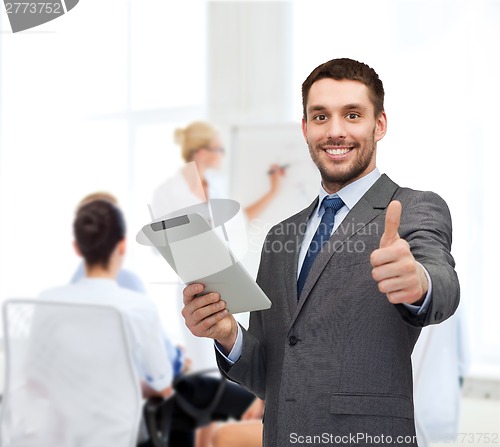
(406, 267)
(401, 250)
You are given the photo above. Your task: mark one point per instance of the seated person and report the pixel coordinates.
(125, 278)
(99, 231)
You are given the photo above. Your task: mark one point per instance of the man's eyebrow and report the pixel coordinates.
(350, 106)
(354, 106)
(316, 108)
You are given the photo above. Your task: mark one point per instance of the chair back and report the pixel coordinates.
(70, 379)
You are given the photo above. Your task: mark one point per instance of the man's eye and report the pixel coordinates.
(320, 118)
(352, 116)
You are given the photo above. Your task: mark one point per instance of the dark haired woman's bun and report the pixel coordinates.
(98, 227)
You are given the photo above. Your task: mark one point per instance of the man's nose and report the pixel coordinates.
(336, 128)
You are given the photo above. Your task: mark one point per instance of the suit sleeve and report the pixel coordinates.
(249, 370)
(426, 225)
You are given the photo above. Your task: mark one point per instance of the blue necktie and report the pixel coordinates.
(331, 206)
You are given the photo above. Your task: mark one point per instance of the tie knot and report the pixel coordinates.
(333, 203)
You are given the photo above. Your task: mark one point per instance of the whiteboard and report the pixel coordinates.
(254, 148)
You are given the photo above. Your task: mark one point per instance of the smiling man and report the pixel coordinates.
(370, 266)
(342, 128)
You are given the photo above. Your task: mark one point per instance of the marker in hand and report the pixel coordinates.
(281, 168)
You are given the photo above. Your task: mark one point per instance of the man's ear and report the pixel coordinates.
(380, 126)
(304, 128)
(77, 250)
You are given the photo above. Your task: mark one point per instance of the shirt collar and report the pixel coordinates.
(101, 281)
(351, 193)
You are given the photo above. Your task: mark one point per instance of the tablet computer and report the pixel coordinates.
(198, 255)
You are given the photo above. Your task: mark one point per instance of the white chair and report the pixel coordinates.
(70, 379)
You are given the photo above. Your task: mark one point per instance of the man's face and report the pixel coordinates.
(342, 131)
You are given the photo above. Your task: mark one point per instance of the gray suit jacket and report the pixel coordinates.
(334, 364)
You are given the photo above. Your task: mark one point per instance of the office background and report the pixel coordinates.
(90, 101)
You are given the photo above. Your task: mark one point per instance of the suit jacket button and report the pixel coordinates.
(292, 340)
(438, 316)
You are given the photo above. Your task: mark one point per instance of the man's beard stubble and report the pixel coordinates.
(352, 171)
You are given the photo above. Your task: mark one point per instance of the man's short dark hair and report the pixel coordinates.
(347, 69)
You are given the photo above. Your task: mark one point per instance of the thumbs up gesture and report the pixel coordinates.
(396, 271)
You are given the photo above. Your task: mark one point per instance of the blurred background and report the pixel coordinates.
(90, 102)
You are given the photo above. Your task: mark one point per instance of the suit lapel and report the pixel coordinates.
(374, 201)
(294, 240)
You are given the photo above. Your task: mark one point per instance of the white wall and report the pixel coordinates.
(89, 102)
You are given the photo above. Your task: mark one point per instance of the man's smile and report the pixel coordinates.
(338, 151)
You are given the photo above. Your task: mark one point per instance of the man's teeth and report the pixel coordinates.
(338, 151)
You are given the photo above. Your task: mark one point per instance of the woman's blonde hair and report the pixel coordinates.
(195, 136)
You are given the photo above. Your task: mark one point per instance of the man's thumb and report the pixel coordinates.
(392, 220)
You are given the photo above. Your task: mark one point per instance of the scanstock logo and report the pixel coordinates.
(26, 15)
